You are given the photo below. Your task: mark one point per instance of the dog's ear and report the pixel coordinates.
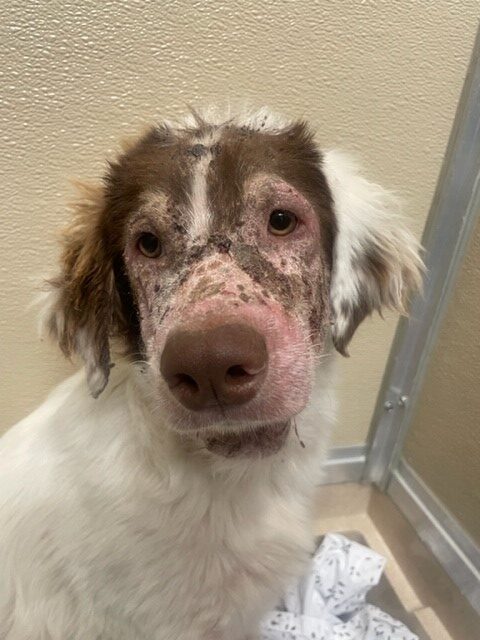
(376, 260)
(82, 306)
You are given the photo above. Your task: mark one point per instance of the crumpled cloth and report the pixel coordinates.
(329, 602)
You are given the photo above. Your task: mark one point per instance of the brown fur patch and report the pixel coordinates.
(290, 154)
(263, 441)
(374, 263)
(95, 294)
(262, 271)
(356, 313)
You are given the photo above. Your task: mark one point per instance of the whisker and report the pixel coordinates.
(295, 428)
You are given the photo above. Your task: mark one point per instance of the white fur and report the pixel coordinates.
(244, 115)
(200, 213)
(368, 219)
(200, 210)
(111, 529)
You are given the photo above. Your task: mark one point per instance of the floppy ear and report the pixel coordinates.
(81, 306)
(376, 261)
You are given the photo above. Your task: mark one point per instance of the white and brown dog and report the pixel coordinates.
(218, 266)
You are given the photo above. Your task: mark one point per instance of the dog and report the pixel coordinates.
(164, 491)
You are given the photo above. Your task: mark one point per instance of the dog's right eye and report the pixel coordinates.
(149, 245)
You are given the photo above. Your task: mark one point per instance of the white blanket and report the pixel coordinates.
(329, 602)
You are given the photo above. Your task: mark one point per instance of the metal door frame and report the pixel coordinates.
(453, 213)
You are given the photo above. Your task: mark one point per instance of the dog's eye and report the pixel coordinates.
(282, 222)
(149, 245)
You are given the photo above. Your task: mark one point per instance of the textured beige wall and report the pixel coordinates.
(443, 443)
(379, 78)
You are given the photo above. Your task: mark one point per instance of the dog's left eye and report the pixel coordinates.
(149, 245)
(282, 222)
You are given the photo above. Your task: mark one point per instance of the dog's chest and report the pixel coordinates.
(204, 559)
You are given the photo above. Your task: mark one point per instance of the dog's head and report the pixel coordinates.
(228, 255)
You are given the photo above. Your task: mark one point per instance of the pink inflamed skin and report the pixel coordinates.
(207, 254)
(244, 283)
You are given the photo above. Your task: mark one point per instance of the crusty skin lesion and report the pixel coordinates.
(242, 181)
(206, 191)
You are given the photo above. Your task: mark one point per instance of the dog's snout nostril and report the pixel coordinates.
(186, 381)
(236, 374)
(221, 365)
(237, 371)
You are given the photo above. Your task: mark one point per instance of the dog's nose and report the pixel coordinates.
(218, 366)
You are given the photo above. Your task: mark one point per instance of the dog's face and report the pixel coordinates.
(228, 255)
(225, 256)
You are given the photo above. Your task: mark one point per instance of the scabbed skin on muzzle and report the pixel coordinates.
(258, 344)
(232, 331)
(228, 254)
